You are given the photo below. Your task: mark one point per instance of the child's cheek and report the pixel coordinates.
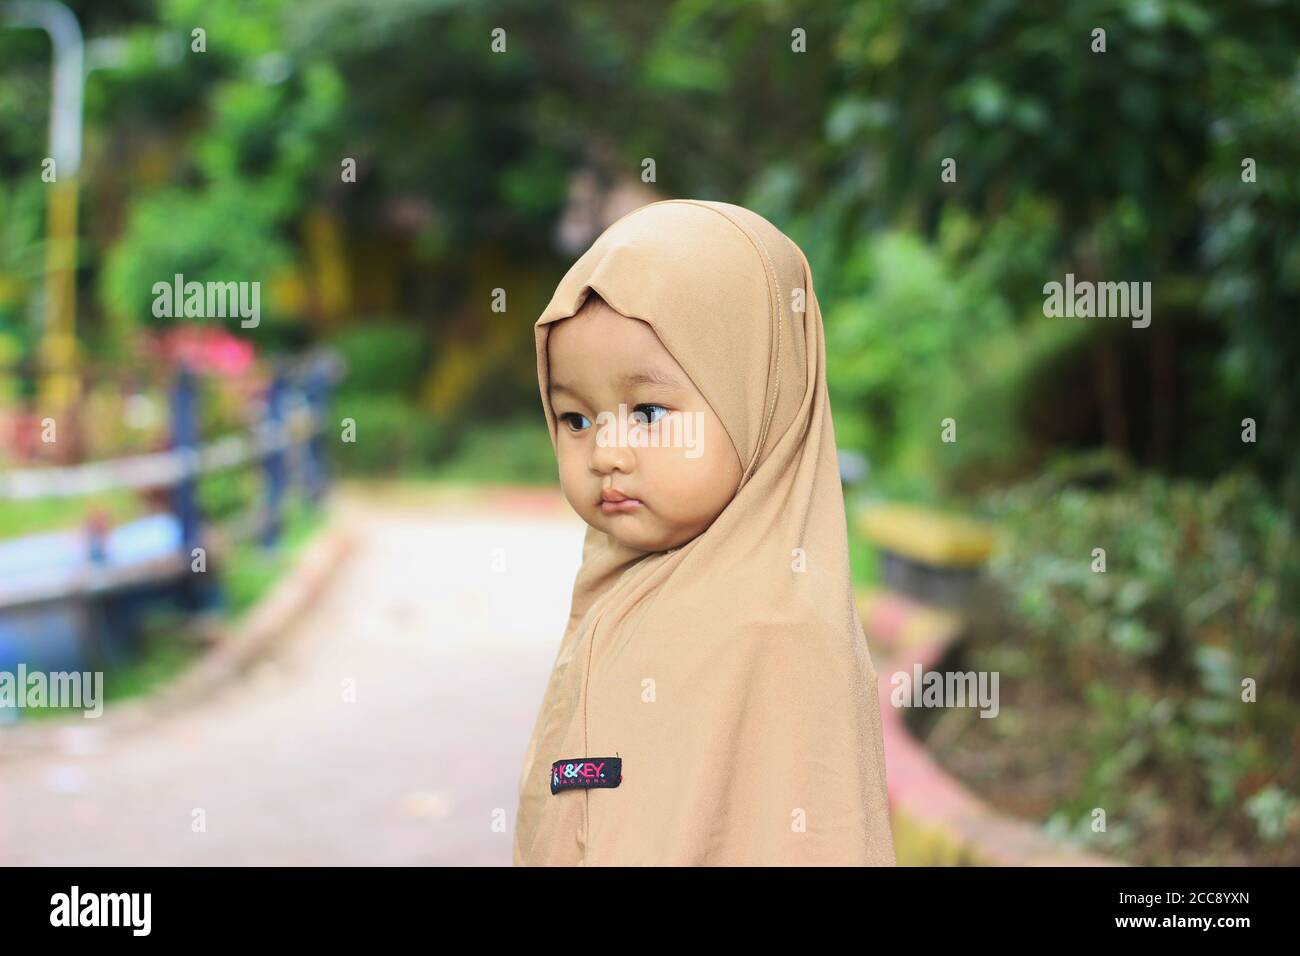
(569, 474)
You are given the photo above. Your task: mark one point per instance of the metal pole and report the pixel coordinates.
(275, 464)
(59, 340)
(185, 439)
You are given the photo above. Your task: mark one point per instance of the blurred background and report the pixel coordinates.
(1103, 514)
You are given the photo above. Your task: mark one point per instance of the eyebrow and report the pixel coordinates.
(652, 377)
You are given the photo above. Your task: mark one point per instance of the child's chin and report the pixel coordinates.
(627, 536)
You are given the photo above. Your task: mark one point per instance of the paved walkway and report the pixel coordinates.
(447, 650)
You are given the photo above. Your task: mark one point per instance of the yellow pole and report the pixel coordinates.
(61, 384)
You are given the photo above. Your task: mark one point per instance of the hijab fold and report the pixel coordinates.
(731, 674)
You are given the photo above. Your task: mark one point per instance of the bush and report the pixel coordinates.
(1143, 667)
(383, 357)
(905, 354)
(517, 450)
(227, 495)
(393, 435)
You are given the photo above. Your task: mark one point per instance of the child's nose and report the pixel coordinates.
(607, 457)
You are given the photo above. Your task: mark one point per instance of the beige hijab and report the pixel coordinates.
(730, 675)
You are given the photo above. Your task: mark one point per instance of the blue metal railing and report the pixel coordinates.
(48, 581)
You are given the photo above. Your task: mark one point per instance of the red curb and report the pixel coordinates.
(928, 804)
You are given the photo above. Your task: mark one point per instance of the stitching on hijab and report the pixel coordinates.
(759, 245)
(780, 326)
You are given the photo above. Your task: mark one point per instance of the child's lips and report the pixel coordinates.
(615, 502)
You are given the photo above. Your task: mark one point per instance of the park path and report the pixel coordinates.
(445, 619)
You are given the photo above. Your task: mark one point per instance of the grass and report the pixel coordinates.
(165, 658)
(19, 518)
(252, 570)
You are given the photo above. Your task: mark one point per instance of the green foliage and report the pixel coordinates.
(21, 251)
(1026, 114)
(393, 435)
(514, 451)
(179, 231)
(1129, 160)
(864, 561)
(226, 495)
(1252, 251)
(384, 357)
(1200, 593)
(1124, 163)
(19, 518)
(226, 214)
(902, 351)
(251, 570)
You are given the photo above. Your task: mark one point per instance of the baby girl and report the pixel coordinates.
(713, 700)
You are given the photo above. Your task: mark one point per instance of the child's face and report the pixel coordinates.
(598, 359)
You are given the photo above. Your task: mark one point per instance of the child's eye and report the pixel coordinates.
(645, 418)
(575, 421)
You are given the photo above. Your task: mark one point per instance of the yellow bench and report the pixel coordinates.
(927, 556)
(926, 537)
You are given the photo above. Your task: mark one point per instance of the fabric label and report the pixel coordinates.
(586, 773)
